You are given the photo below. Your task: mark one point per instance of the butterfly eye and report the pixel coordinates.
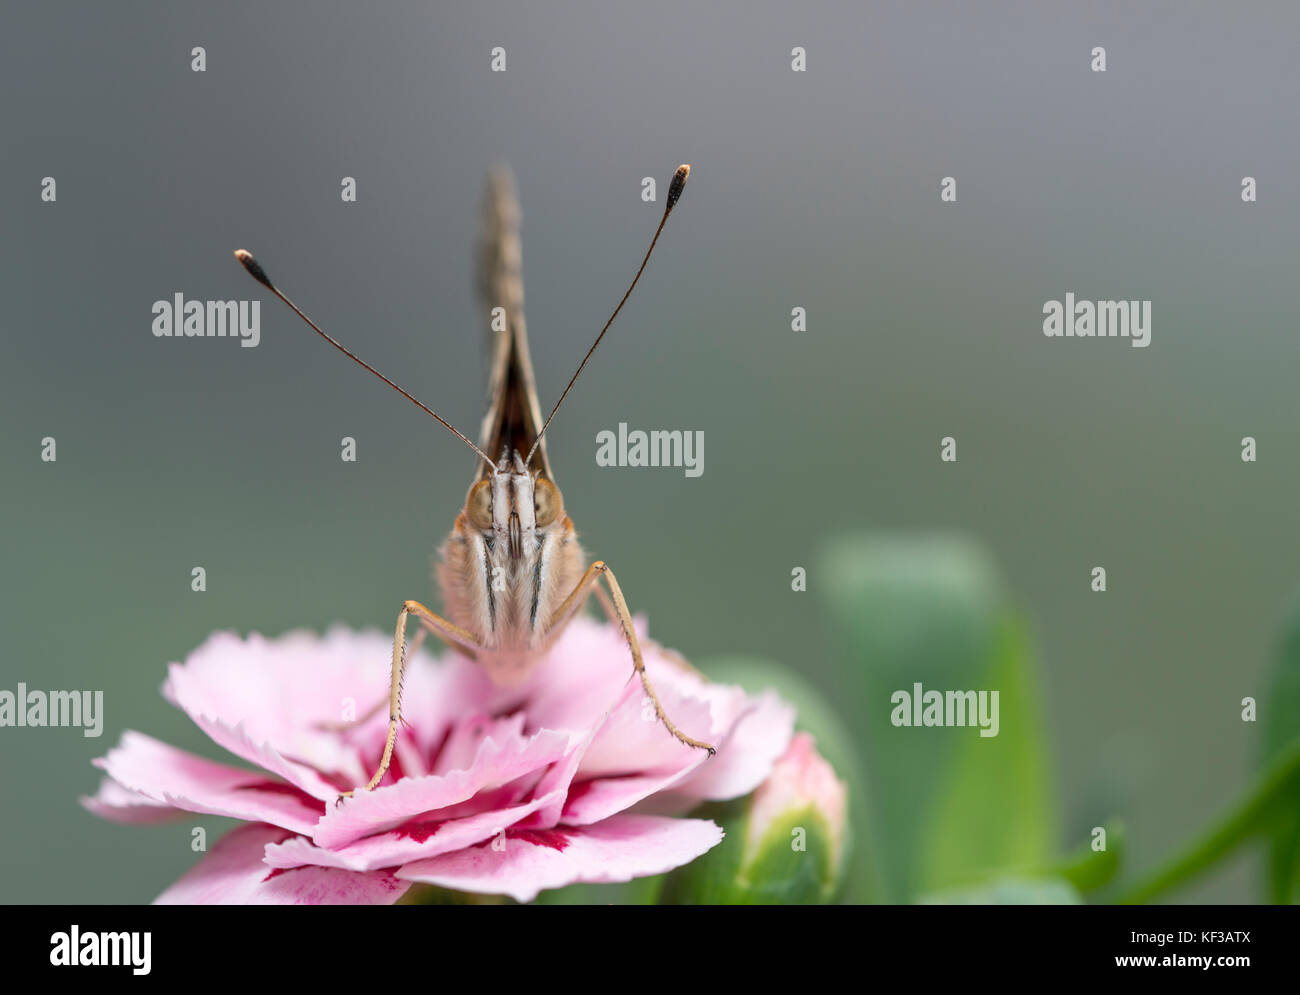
(547, 502)
(478, 505)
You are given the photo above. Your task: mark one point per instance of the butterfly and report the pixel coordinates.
(512, 572)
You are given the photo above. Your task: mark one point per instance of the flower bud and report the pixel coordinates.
(785, 843)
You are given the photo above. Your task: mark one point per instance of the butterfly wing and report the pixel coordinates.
(513, 415)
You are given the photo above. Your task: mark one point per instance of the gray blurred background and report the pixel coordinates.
(817, 189)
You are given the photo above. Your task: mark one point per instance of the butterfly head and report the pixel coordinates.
(513, 503)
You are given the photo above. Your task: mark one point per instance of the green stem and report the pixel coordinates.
(1274, 790)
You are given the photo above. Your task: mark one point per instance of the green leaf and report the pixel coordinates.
(1083, 871)
(814, 714)
(1088, 869)
(1009, 890)
(904, 609)
(1284, 861)
(994, 809)
(1281, 726)
(1269, 803)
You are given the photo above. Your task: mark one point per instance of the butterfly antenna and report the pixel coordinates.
(674, 194)
(254, 268)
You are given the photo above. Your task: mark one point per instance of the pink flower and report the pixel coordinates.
(505, 791)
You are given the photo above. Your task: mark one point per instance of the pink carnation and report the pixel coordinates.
(502, 791)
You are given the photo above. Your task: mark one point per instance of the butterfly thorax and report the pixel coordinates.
(509, 562)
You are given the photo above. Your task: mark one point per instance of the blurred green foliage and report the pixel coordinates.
(952, 805)
(1281, 726)
(962, 818)
(1009, 890)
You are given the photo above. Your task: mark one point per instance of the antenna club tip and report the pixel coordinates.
(247, 260)
(679, 181)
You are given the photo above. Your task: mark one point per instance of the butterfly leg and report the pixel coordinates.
(453, 635)
(616, 608)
